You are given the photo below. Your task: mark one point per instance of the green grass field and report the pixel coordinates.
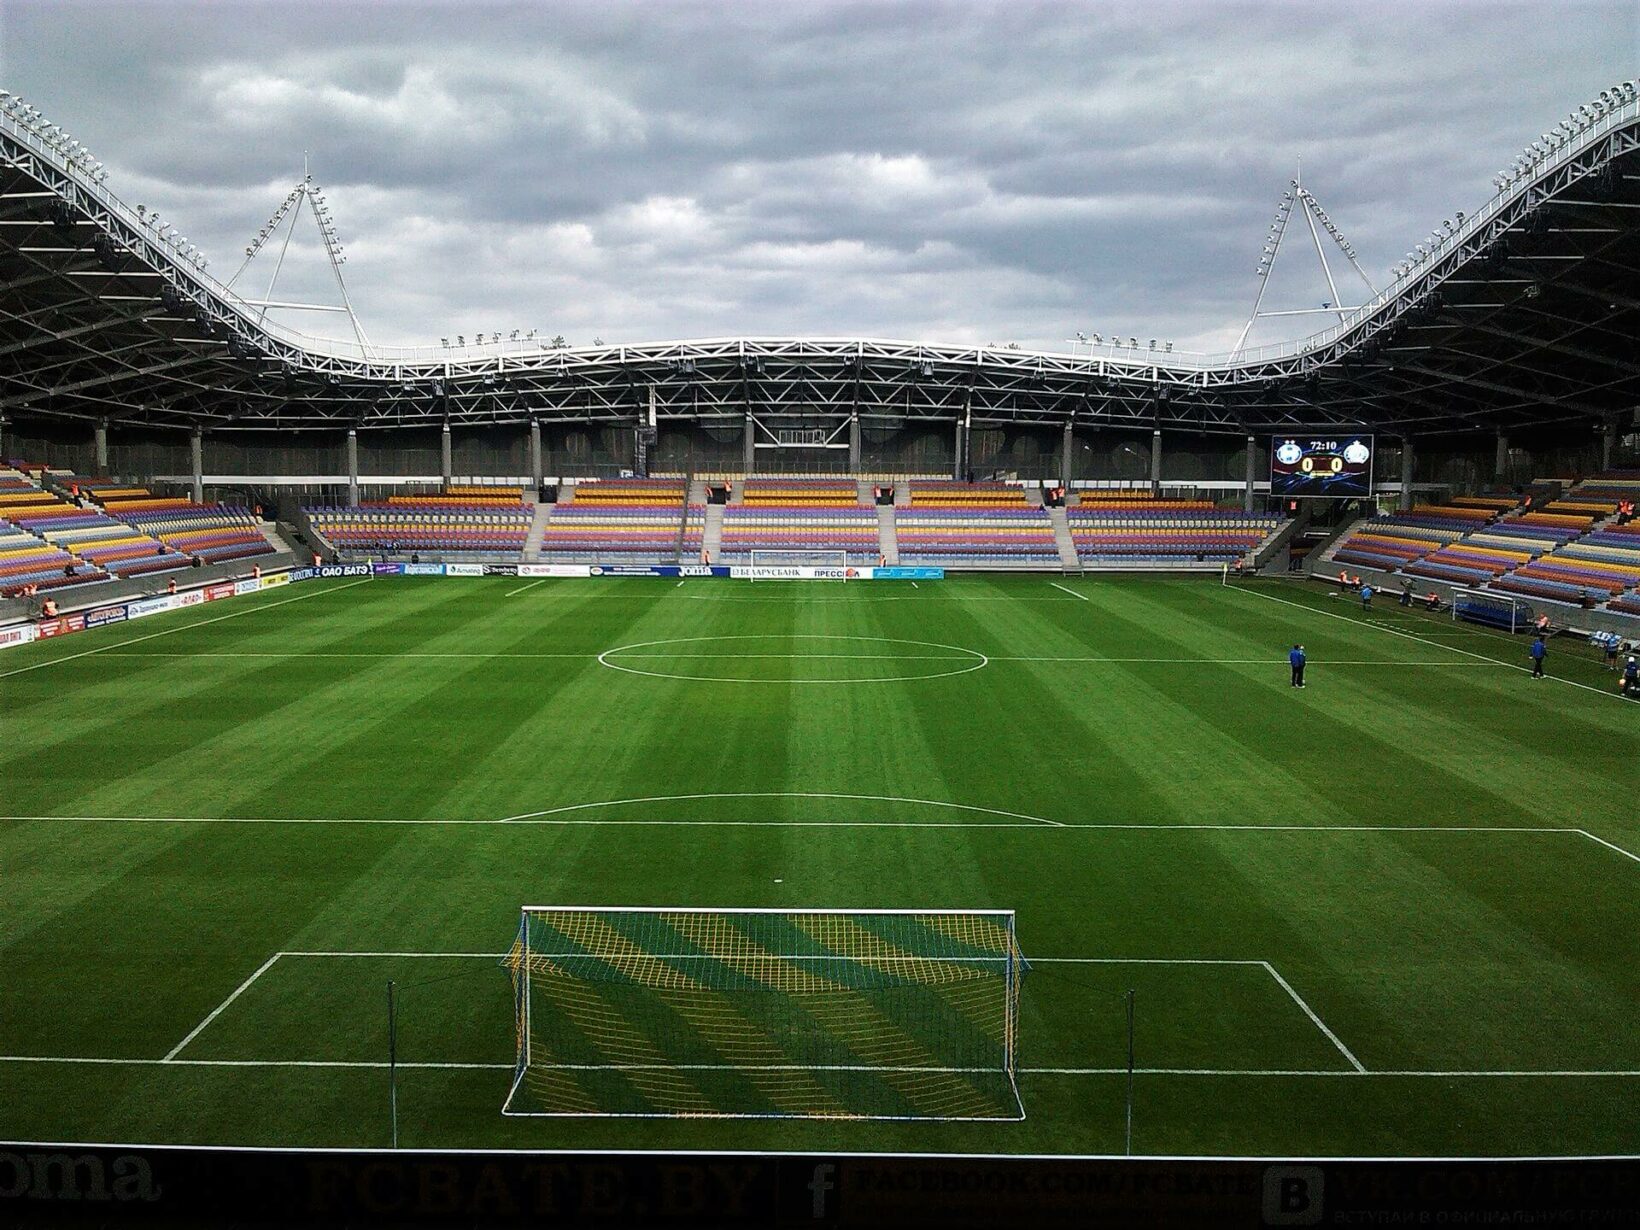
(1395, 913)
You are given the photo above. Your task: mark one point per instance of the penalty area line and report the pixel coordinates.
(460, 1065)
(1314, 1018)
(171, 1054)
(1071, 592)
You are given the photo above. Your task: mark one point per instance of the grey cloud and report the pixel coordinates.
(950, 171)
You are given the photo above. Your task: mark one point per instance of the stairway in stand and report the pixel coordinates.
(888, 540)
(711, 541)
(538, 531)
(1062, 539)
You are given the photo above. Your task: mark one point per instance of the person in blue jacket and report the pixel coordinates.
(1296, 660)
(1538, 651)
(1631, 677)
(1366, 597)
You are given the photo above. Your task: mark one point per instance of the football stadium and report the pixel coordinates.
(821, 747)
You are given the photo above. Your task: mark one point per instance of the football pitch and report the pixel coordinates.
(1394, 913)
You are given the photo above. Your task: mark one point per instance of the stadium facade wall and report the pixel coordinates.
(904, 447)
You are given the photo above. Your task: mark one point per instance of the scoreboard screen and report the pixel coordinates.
(1337, 466)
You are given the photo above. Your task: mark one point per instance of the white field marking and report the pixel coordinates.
(785, 596)
(1071, 592)
(249, 610)
(217, 1011)
(1383, 627)
(1358, 1068)
(1404, 1073)
(585, 657)
(965, 656)
(543, 816)
(607, 658)
(381, 1064)
(805, 657)
(548, 818)
(418, 956)
(692, 956)
(1314, 1019)
(914, 585)
(250, 1063)
(522, 588)
(1628, 854)
(1252, 662)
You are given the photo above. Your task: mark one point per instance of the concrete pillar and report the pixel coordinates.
(100, 439)
(352, 466)
(1067, 456)
(749, 447)
(1608, 443)
(854, 443)
(4, 424)
(444, 454)
(1156, 462)
(957, 460)
(1500, 463)
(1408, 461)
(196, 442)
(537, 472)
(1252, 465)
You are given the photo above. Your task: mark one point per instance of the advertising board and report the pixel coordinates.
(21, 634)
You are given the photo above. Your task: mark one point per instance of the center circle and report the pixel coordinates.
(790, 657)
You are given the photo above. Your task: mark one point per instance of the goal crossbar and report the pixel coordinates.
(1510, 612)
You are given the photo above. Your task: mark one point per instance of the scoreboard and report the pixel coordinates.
(1316, 465)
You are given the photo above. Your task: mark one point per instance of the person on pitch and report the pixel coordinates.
(1366, 597)
(1538, 651)
(1631, 677)
(1296, 659)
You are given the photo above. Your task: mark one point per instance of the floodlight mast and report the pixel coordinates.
(1298, 194)
(306, 192)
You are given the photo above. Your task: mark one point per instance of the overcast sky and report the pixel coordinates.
(944, 172)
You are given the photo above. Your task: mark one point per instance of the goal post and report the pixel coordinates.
(788, 1014)
(1492, 608)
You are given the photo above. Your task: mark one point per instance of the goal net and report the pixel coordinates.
(805, 565)
(1495, 610)
(799, 1014)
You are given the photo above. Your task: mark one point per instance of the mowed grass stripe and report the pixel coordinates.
(1450, 951)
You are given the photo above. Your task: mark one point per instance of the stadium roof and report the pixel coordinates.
(1523, 313)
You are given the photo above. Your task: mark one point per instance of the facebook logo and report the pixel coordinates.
(1292, 1196)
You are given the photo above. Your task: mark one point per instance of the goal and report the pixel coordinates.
(1495, 610)
(799, 565)
(789, 1014)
